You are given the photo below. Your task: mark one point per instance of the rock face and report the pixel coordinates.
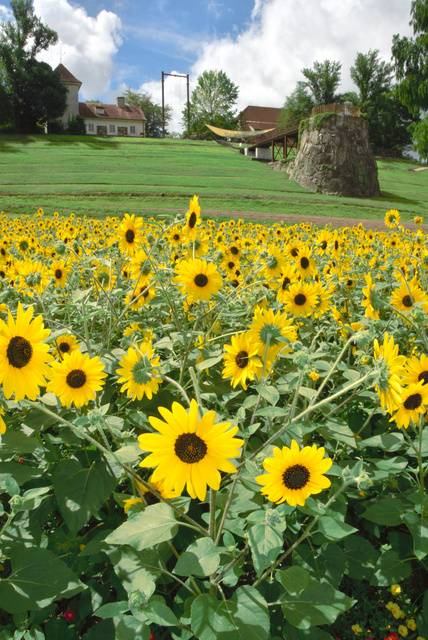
(334, 157)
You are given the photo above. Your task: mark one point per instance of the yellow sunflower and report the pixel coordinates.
(293, 474)
(66, 344)
(305, 265)
(24, 354)
(300, 299)
(193, 218)
(391, 371)
(288, 277)
(198, 279)
(139, 372)
(241, 360)
(59, 272)
(369, 302)
(413, 403)
(190, 450)
(392, 218)
(76, 379)
(271, 332)
(407, 295)
(417, 370)
(130, 234)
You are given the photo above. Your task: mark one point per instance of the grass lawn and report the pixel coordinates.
(113, 175)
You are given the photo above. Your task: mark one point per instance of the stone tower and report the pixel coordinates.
(73, 85)
(334, 155)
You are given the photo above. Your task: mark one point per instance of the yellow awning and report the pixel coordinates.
(230, 133)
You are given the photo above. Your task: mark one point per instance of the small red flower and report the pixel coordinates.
(152, 636)
(392, 636)
(69, 615)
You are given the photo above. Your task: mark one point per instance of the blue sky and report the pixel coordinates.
(262, 45)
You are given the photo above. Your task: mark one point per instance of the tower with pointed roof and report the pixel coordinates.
(73, 85)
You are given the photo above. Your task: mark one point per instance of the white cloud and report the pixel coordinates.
(5, 13)
(283, 36)
(87, 45)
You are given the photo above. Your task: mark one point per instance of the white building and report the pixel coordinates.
(101, 119)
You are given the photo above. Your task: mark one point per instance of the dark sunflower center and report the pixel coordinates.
(201, 280)
(19, 352)
(76, 378)
(285, 283)
(241, 359)
(349, 283)
(58, 274)
(176, 236)
(295, 477)
(300, 299)
(190, 448)
(145, 292)
(324, 245)
(413, 402)
(192, 219)
(64, 347)
(304, 262)
(423, 376)
(407, 301)
(130, 236)
(234, 251)
(231, 265)
(294, 252)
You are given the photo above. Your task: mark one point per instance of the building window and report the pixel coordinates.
(90, 126)
(112, 128)
(122, 131)
(132, 129)
(99, 111)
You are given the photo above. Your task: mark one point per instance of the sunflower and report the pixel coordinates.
(241, 360)
(273, 262)
(293, 474)
(33, 277)
(130, 234)
(407, 295)
(369, 302)
(24, 354)
(287, 277)
(59, 273)
(140, 295)
(3, 427)
(417, 370)
(193, 218)
(189, 450)
(413, 403)
(139, 372)
(66, 344)
(271, 332)
(418, 220)
(198, 279)
(300, 299)
(391, 370)
(305, 265)
(392, 218)
(76, 379)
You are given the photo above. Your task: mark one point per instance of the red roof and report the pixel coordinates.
(111, 111)
(259, 117)
(66, 75)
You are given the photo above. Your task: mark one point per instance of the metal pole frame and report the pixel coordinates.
(175, 75)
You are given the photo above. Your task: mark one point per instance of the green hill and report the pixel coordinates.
(98, 176)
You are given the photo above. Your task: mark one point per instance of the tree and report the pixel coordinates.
(420, 138)
(152, 111)
(297, 105)
(33, 91)
(411, 60)
(323, 80)
(371, 75)
(213, 101)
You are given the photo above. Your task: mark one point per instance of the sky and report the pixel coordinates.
(262, 45)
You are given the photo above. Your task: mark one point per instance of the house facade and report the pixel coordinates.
(101, 119)
(259, 118)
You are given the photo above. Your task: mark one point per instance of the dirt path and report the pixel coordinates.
(260, 216)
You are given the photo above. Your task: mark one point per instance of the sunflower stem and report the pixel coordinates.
(213, 500)
(179, 387)
(195, 385)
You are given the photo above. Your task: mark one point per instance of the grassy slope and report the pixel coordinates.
(97, 176)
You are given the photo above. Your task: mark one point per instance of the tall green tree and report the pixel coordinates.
(371, 75)
(213, 101)
(411, 60)
(152, 111)
(297, 105)
(323, 81)
(33, 91)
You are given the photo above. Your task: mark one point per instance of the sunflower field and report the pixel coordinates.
(212, 430)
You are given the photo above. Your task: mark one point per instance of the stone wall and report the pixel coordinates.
(334, 157)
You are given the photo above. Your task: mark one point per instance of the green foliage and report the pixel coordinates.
(411, 60)
(152, 111)
(213, 101)
(322, 80)
(32, 92)
(297, 106)
(420, 138)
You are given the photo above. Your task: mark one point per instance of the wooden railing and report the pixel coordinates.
(338, 107)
